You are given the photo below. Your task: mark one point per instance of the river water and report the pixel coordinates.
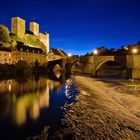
(28, 104)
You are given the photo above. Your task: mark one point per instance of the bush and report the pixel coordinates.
(4, 34)
(22, 67)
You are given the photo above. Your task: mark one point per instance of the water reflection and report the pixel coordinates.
(25, 97)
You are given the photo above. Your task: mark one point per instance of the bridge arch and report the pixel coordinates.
(72, 66)
(116, 66)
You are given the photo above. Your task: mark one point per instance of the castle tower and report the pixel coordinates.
(34, 27)
(18, 26)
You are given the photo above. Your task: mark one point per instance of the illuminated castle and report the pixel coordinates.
(31, 46)
(18, 28)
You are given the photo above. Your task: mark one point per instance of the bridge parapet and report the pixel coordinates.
(54, 57)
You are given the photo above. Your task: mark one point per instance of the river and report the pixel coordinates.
(28, 104)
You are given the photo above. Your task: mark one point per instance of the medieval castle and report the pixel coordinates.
(24, 50)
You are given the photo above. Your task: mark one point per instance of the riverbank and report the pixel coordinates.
(106, 109)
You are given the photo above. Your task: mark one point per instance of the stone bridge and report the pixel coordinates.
(91, 64)
(70, 62)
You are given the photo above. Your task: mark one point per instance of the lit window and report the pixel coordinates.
(9, 55)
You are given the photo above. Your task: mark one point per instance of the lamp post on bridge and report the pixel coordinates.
(134, 51)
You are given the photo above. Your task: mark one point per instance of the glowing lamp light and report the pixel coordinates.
(134, 50)
(69, 54)
(95, 52)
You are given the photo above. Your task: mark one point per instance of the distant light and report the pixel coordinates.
(134, 50)
(95, 52)
(125, 48)
(69, 54)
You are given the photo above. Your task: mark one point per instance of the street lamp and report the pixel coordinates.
(95, 52)
(134, 50)
(69, 54)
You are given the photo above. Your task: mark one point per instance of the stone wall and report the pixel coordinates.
(45, 39)
(133, 66)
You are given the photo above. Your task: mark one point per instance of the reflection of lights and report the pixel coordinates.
(44, 99)
(20, 113)
(34, 111)
(9, 87)
(57, 74)
(69, 54)
(9, 55)
(67, 88)
(95, 52)
(134, 50)
(51, 85)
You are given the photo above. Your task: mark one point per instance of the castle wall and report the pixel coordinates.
(31, 57)
(18, 26)
(45, 39)
(14, 56)
(5, 57)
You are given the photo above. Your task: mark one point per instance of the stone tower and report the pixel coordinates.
(18, 26)
(34, 27)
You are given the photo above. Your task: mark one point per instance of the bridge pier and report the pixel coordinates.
(133, 66)
(133, 73)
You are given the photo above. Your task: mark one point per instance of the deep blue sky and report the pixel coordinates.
(79, 26)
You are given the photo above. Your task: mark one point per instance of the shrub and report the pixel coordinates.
(4, 34)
